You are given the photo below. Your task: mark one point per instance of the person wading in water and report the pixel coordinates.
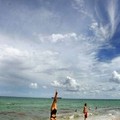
(85, 111)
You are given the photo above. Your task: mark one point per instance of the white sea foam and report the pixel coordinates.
(112, 114)
(71, 117)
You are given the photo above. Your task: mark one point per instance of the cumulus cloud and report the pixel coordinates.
(9, 51)
(85, 90)
(68, 84)
(61, 37)
(56, 84)
(115, 77)
(33, 85)
(71, 84)
(54, 38)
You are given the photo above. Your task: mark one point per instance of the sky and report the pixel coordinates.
(72, 46)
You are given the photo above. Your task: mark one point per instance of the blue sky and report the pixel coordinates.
(69, 45)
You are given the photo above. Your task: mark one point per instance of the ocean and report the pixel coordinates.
(18, 108)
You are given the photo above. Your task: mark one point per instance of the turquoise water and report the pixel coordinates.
(24, 108)
(13, 108)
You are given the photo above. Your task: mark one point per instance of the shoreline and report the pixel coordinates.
(109, 115)
(91, 117)
(106, 115)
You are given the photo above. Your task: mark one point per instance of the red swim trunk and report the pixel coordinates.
(85, 114)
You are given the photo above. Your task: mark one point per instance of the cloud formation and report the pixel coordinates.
(54, 44)
(33, 85)
(115, 77)
(69, 84)
(54, 38)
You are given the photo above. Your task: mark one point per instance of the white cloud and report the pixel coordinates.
(113, 15)
(57, 37)
(80, 5)
(33, 85)
(99, 27)
(12, 51)
(54, 38)
(115, 77)
(108, 29)
(9, 51)
(56, 84)
(101, 31)
(69, 84)
(41, 63)
(85, 89)
(63, 37)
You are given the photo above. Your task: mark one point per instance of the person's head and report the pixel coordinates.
(85, 104)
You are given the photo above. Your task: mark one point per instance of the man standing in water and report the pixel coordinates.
(54, 107)
(85, 111)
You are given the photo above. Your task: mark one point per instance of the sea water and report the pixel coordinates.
(16, 108)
